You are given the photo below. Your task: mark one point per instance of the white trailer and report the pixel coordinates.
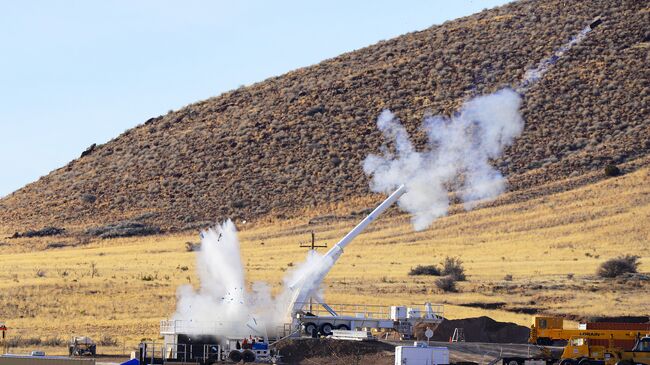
(321, 319)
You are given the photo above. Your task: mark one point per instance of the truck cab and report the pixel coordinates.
(640, 354)
(578, 348)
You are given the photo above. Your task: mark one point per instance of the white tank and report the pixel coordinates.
(397, 313)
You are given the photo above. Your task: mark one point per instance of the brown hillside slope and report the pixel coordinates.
(298, 140)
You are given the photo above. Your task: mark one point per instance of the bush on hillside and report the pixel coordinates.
(453, 266)
(612, 170)
(123, 229)
(446, 284)
(425, 270)
(618, 266)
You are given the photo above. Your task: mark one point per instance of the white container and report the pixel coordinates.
(413, 313)
(419, 355)
(397, 313)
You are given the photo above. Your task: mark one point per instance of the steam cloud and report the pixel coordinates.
(223, 305)
(457, 156)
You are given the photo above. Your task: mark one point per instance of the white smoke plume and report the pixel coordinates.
(459, 149)
(457, 156)
(223, 305)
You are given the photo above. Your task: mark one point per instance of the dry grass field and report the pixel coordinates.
(119, 289)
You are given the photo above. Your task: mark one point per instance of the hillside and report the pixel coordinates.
(551, 246)
(297, 141)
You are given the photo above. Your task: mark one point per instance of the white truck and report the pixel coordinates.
(421, 354)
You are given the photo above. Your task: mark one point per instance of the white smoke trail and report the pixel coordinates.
(457, 156)
(533, 75)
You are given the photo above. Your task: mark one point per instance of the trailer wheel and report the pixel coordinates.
(248, 356)
(343, 327)
(310, 329)
(326, 329)
(235, 356)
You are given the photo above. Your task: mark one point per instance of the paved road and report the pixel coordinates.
(480, 352)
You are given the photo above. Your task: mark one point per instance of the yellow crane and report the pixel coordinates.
(578, 351)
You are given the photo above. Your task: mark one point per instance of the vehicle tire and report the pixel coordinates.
(71, 350)
(624, 362)
(235, 356)
(310, 328)
(513, 362)
(326, 329)
(584, 362)
(248, 356)
(344, 327)
(567, 362)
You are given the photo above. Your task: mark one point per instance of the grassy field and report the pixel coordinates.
(120, 289)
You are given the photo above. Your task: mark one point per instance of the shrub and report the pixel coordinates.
(47, 231)
(508, 277)
(446, 283)
(618, 266)
(453, 266)
(107, 340)
(191, 246)
(612, 170)
(88, 198)
(147, 277)
(123, 229)
(425, 270)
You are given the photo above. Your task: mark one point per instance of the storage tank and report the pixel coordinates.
(397, 313)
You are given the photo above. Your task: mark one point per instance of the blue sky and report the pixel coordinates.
(73, 73)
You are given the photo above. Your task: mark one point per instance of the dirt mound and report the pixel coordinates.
(297, 141)
(294, 351)
(480, 329)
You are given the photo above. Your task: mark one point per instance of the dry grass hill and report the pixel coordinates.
(521, 258)
(295, 142)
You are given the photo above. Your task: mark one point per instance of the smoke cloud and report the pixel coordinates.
(459, 149)
(456, 158)
(224, 306)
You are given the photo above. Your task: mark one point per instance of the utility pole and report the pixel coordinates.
(312, 246)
